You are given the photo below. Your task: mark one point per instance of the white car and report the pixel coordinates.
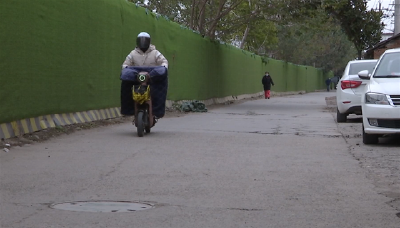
(380, 102)
(350, 88)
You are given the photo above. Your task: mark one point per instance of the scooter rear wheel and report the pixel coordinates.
(147, 122)
(140, 124)
(147, 129)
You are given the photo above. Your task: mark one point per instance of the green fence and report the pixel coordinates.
(65, 56)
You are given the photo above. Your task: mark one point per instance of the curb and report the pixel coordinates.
(29, 125)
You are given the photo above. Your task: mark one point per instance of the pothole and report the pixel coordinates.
(398, 214)
(102, 206)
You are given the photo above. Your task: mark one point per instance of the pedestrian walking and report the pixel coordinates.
(334, 82)
(328, 84)
(267, 82)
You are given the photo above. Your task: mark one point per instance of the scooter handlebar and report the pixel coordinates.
(156, 73)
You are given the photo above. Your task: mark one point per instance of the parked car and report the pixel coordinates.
(350, 88)
(380, 102)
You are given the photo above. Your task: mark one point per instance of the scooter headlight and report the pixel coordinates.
(376, 98)
(142, 77)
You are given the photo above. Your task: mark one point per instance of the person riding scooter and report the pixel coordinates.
(144, 55)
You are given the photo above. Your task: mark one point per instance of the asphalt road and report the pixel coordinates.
(280, 163)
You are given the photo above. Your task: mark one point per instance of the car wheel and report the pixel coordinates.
(341, 118)
(369, 138)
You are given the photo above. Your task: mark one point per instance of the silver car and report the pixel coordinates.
(350, 87)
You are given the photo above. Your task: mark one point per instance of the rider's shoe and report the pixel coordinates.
(155, 119)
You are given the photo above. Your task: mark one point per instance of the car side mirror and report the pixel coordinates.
(364, 74)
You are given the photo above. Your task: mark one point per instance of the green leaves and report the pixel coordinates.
(309, 32)
(317, 41)
(362, 27)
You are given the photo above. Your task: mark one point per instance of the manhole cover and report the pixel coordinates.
(102, 206)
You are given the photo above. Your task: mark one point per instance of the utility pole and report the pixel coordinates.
(397, 17)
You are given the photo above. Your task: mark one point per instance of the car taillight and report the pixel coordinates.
(349, 84)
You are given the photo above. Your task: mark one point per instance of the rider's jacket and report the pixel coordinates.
(152, 57)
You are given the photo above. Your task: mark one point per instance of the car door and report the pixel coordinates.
(356, 67)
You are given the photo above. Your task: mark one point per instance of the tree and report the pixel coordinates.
(362, 27)
(317, 41)
(175, 10)
(248, 28)
(321, 33)
(204, 16)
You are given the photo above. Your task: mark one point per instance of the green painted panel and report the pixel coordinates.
(65, 56)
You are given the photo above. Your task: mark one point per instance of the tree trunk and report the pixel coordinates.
(192, 15)
(246, 32)
(221, 13)
(211, 31)
(359, 52)
(201, 18)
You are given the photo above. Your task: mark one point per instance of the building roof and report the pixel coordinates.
(382, 44)
(369, 53)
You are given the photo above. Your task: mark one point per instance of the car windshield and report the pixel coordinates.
(389, 66)
(357, 67)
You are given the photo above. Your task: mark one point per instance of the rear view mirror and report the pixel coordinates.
(363, 74)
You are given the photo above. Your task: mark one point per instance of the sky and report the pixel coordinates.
(388, 8)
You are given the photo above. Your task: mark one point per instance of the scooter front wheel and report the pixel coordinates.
(147, 127)
(140, 124)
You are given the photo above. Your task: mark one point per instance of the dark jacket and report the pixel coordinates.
(267, 81)
(328, 81)
(158, 88)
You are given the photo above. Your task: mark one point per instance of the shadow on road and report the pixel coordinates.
(390, 141)
(357, 119)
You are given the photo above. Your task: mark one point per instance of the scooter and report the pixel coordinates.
(147, 104)
(144, 119)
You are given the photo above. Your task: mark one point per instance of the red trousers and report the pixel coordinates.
(267, 93)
